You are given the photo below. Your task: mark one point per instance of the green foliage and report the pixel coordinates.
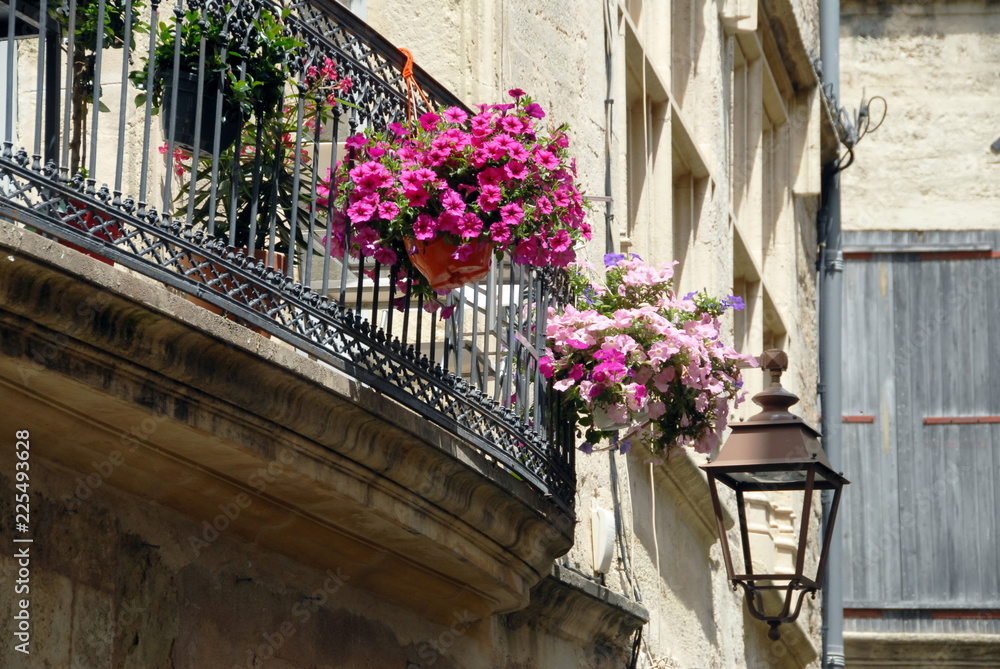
(118, 16)
(253, 71)
(254, 184)
(88, 15)
(255, 179)
(115, 17)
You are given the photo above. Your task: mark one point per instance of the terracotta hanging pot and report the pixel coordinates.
(434, 260)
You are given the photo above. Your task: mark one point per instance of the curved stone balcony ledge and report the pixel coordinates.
(205, 415)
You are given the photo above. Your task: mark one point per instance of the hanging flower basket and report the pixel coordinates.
(436, 260)
(494, 183)
(633, 354)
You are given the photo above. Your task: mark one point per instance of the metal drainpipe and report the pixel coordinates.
(830, 324)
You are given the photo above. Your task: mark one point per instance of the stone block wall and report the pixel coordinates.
(929, 167)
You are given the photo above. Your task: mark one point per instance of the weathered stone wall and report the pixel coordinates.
(929, 167)
(119, 581)
(556, 52)
(481, 49)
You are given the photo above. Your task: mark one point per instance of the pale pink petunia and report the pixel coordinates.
(563, 384)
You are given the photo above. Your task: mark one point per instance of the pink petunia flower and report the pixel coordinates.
(501, 234)
(545, 366)
(388, 210)
(452, 201)
(429, 121)
(511, 214)
(470, 225)
(489, 197)
(361, 211)
(356, 141)
(424, 227)
(482, 124)
(491, 176)
(534, 110)
(512, 124)
(416, 197)
(546, 159)
(385, 256)
(561, 241)
(455, 115)
(516, 170)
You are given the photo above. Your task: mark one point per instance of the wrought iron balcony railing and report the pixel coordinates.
(190, 142)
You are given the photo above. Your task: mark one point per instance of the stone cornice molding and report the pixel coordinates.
(581, 610)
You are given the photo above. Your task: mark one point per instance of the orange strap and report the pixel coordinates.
(411, 87)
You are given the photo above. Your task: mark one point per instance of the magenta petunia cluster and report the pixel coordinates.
(632, 353)
(496, 176)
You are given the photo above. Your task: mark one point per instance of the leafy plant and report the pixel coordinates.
(255, 179)
(252, 53)
(86, 30)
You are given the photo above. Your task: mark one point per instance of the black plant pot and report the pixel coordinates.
(188, 88)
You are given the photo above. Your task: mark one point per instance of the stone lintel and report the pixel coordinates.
(866, 650)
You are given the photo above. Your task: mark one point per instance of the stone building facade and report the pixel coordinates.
(935, 64)
(921, 246)
(203, 496)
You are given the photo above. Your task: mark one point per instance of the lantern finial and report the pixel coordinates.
(774, 360)
(774, 400)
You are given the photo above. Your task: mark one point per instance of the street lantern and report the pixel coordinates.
(774, 451)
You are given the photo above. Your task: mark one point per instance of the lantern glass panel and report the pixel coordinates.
(771, 543)
(772, 477)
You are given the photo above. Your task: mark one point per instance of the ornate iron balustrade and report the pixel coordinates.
(215, 221)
